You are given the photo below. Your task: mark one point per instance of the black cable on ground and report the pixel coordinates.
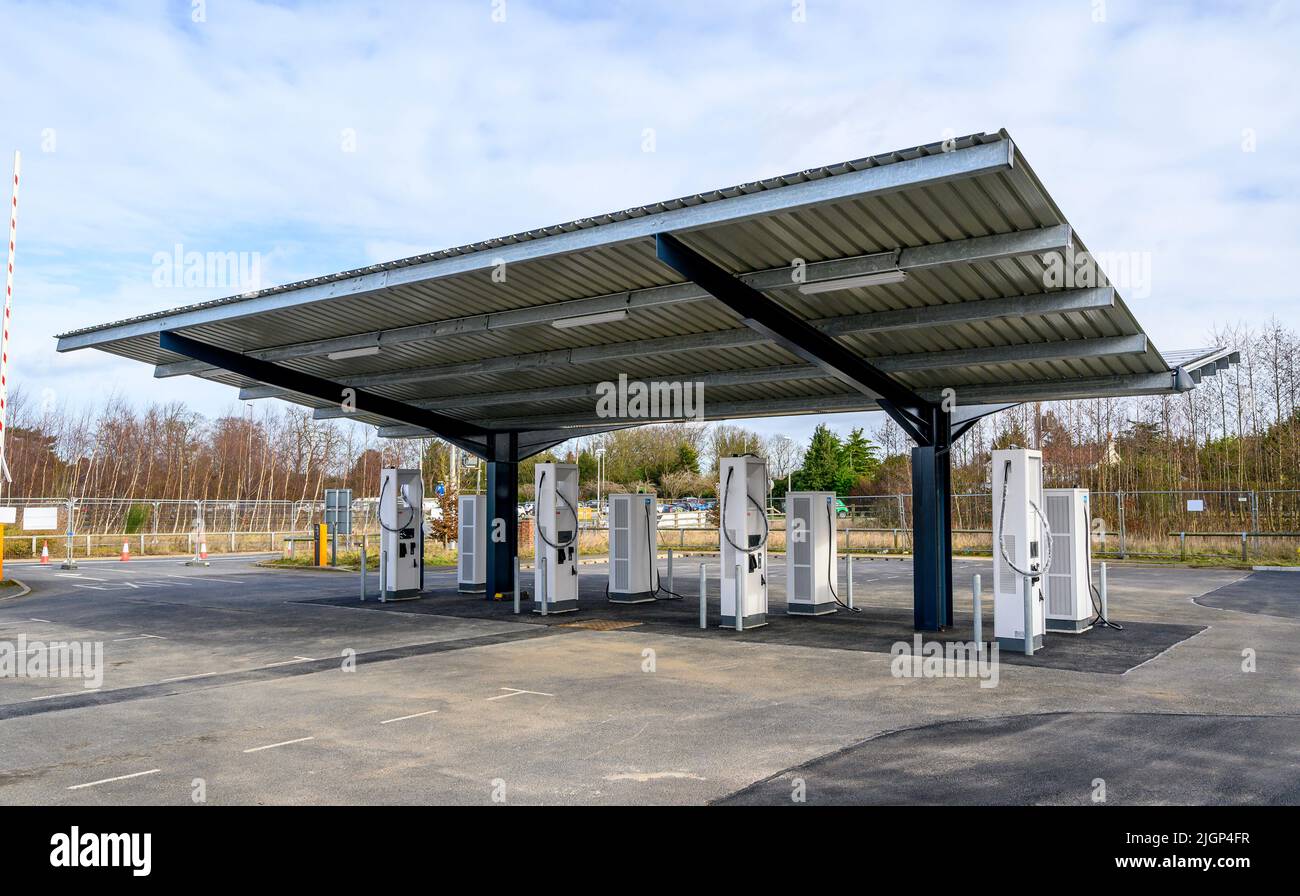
(832, 575)
(1094, 596)
(651, 539)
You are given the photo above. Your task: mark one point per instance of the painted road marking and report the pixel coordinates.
(152, 771)
(515, 692)
(184, 677)
(297, 659)
(112, 564)
(414, 715)
(283, 743)
(34, 619)
(140, 638)
(67, 693)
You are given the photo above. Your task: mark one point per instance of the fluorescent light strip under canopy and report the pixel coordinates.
(587, 320)
(354, 353)
(879, 279)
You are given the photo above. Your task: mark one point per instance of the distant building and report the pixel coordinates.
(1110, 456)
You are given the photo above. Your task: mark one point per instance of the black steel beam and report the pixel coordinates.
(766, 316)
(458, 432)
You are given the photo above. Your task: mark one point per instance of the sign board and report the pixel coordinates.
(40, 519)
(338, 510)
(1195, 505)
(8, 515)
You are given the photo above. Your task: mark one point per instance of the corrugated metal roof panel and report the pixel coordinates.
(496, 335)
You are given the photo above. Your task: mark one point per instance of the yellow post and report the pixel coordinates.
(322, 536)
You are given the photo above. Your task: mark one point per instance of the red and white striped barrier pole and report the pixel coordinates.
(9, 297)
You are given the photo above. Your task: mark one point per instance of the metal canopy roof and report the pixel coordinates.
(470, 334)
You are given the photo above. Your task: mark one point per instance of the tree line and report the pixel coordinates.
(1238, 430)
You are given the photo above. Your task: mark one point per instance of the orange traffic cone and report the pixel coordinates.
(45, 553)
(126, 552)
(203, 550)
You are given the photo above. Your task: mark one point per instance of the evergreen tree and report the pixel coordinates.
(860, 453)
(826, 464)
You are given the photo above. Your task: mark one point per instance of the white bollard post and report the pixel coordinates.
(542, 589)
(516, 585)
(848, 572)
(704, 597)
(739, 610)
(383, 576)
(1105, 606)
(1029, 616)
(976, 599)
(670, 571)
(363, 572)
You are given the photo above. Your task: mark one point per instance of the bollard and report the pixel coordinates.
(670, 571)
(1029, 616)
(542, 581)
(1105, 608)
(1243, 547)
(704, 597)
(516, 585)
(848, 572)
(383, 576)
(1182, 546)
(739, 611)
(363, 572)
(976, 598)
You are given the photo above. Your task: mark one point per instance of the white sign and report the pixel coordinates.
(37, 519)
(8, 515)
(1195, 505)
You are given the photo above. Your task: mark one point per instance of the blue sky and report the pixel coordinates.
(1168, 128)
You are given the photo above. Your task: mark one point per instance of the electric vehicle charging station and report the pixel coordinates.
(555, 539)
(811, 553)
(633, 537)
(471, 556)
(401, 523)
(1021, 548)
(1069, 583)
(743, 527)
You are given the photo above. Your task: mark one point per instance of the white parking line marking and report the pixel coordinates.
(414, 715)
(67, 693)
(283, 743)
(515, 692)
(152, 771)
(34, 619)
(184, 677)
(297, 659)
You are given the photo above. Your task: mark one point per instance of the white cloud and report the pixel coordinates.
(228, 135)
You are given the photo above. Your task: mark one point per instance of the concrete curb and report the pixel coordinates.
(25, 590)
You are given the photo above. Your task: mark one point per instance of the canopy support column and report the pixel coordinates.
(502, 512)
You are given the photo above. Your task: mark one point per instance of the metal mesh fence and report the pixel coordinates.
(1259, 526)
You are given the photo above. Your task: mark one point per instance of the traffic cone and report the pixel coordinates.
(203, 550)
(45, 553)
(126, 552)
